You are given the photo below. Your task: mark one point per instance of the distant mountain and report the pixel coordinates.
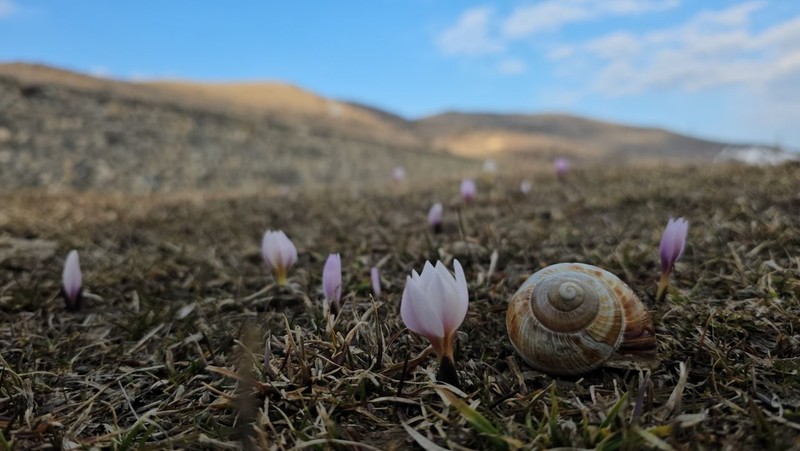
(547, 136)
(60, 128)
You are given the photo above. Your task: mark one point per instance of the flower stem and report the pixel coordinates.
(663, 284)
(280, 276)
(447, 371)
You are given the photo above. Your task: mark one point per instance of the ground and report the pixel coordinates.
(168, 349)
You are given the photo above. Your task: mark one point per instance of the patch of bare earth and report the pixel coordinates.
(184, 341)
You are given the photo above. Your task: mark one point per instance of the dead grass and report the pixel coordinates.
(169, 351)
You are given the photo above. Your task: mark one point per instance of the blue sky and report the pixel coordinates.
(722, 69)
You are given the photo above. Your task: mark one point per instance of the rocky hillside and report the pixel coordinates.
(63, 129)
(85, 133)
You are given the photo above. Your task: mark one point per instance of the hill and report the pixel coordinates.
(545, 136)
(63, 129)
(60, 129)
(292, 102)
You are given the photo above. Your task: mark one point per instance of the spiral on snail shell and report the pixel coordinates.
(571, 318)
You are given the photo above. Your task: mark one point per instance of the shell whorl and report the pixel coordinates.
(570, 318)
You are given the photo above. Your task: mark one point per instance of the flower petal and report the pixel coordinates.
(419, 313)
(435, 214)
(673, 242)
(375, 278)
(332, 278)
(463, 296)
(427, 276)
(447, 294)
(71, 277)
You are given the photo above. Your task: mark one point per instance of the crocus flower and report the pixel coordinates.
(490, 166)
(434, 305)
(399, 174)
(561, 166)
(672, 244)
(525, 186)
(279, 254)
(332, 281)
(375, 277)
(72, 281)
(468, 190)
(435, 217)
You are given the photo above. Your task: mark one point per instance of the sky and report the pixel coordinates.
(720, 69)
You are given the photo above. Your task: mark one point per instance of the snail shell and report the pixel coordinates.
(571, 318)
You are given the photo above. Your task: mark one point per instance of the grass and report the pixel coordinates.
(184, 342)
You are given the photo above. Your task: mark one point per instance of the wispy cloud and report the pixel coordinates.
(469, 35)
(551, 15)
(512, 66)
(7, 8)
(712, 49)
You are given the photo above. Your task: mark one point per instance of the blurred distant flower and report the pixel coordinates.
(562, 167)
(72, 281)
(525, 186)
(468, 190)
(434, 305)
(279, 254)
(375, 277)
(490, 166)
(332, 281)
(399, 174)
(671, 248)
(435, 217)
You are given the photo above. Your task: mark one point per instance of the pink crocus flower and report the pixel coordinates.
(561, 166)
(72, 281)
(399, 174)
(332, 281)
(525, 187)
(468, 190)
(279, 254)
(673, 242)
(375, 278)
(435, 217)
(434, 305)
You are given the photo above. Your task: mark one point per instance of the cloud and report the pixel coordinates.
(7, 8)
(560, 51)
(552, 15)
(469, 35)
(512, 66)
(615, 45)
(543, 17)
(712, 49)
(477, 31)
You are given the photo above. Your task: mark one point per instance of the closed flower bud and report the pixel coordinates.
(525, 186)
(673, 242)
(435, 217)
(72, 281)
(332, 281)
(375, 278)
(468, 190)
(561, 166)
(279, 254)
